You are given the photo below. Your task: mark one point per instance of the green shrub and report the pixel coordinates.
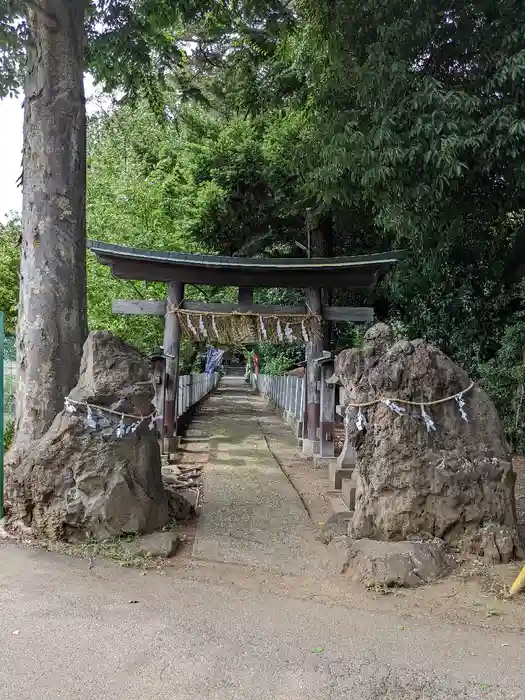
(278, 358)
(503, 377)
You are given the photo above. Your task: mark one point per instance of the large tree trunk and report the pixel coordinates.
(52, 312)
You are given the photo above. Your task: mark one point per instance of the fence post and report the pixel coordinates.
(297, 400)
(303, 406)
(188, 381)
(296, 406)
(327, 419)
(182, 407)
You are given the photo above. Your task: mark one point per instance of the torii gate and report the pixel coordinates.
(312, 274)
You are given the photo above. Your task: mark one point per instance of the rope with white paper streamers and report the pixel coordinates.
(394, 404)
(92, 416)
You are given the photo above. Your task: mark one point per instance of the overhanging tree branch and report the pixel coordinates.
(47, 18)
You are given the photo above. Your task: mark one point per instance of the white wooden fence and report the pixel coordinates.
(193, 388)
(286, 393)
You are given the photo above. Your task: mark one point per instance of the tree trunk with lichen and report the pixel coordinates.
(52, 311)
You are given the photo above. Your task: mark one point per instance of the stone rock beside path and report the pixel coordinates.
(77, 481)
(156, 544)
(403, 564)
(455, 483)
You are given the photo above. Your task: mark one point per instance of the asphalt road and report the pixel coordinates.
(68, 633)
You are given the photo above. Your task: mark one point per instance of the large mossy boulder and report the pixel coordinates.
(92, 474)
(454, 483)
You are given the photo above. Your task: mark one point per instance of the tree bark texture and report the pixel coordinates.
(52, 312)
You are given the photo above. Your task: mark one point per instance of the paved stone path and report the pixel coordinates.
(252, 515)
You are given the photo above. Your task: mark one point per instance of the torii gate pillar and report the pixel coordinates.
(314, 350)
(171, 375)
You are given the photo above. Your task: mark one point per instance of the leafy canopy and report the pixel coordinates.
(9, 264)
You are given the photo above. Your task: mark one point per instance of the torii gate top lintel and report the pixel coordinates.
(356, 272)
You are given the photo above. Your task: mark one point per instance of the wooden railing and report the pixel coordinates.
(193, 388)
(285, 393)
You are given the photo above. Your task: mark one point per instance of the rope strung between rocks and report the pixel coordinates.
(412, 403)
(104, 409)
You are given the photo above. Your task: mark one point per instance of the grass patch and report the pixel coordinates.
(117, 550)
(492, 580)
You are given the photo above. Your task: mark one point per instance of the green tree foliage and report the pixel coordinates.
(9, 264)
(503, 376)
(278, 358)
(420, 111)
(142, 192)
(124, 205)
(133, 45)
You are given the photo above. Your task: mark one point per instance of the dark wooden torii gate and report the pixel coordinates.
(177, 269)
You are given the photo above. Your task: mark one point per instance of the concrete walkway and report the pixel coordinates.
(252, 515)
(70, 633)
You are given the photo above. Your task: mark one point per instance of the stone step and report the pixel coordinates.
(336, 474)
(348, 493)
(339, 512)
